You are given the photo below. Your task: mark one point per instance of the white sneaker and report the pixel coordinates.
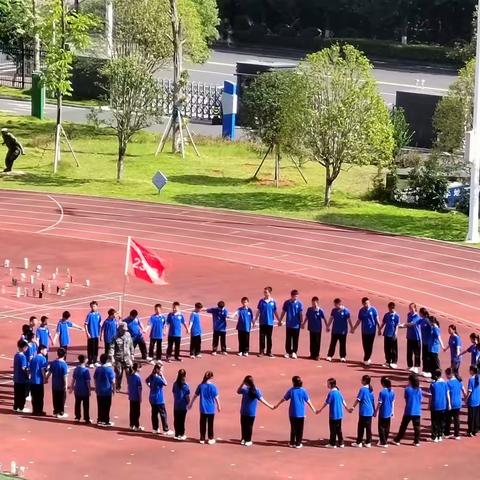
(25, 410)
(245, 354)
(294, 355)
(168, 433)
(151, 362)
(457, 438)
(329, 359)
(242, 442)
(248, 444)
(369, 362)
(416, 444)
(192, 356)
(239, 354)
(415, 370)
(395, 443)
(341, 446)
(156, 432)
(330, 446)
(381, 445)
(182, 437)
(426, 374)
(133, 429)
(109, 424)
(393, 365)
(343, 360)
(140, 429)
(368, 445)
(411, 369)
(224, 353)
(357, 445)
(287, 355)
(202, 442)
(386, 365)
(149, 359)
(91, 365)
(214, 353)
(63, 415)
(212, 441)
(299, 446)
(29, 398)
(199, 356)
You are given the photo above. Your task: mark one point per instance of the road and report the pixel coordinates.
(221, 66)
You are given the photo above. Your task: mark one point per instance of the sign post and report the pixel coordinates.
(229, 106)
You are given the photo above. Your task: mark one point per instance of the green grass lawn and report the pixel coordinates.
(221, 178)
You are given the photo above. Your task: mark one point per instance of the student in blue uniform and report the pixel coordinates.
(93, 322)
(426, 334)
(412, 412)
(32, 346)
(314, 318)
(298, 397)
(181, 399)
(109, 329)
(58, 370)
(439, 405)
(244, 316)
(104, 378)
(43, 334)
(136, 330)
(338, 323)
(366, 400)
(20, 377)
(219, 320)
(390, 323)
(435, 345)
(134, 382)
(266, 314)
(195, 328)
(293, 311)
(156, 325)
(38, 366)
(175, 320)
(473, 349)
(456, 389)
(80, 387)
(385, 410)
(473, 402)
(455, 347)
(368, 318)
(251, 395)
(63, 331)
(156, 381)
(336, 404)
(208, 393)
(414, 338)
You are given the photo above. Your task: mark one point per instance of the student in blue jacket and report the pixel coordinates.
(412, 412)
(435, 345)
(20, 377)
(181, 400)
(439, 405)
(366, 400)
(109, 329)
(414, 338)
(219, 320)
(156, 381)
(38, 366)
(104, 378)
(456, 389)
(298, 397)
(473, 349)
(385, 411)
(58, 370)
(336, 404)
(134, 382)
(175, 320)
(338, 323)
(93, 325)
(156, 325)
(473, 402)
(368, 318)
(195, 329)
(63, 331)
(244, 316)
(314, 318)
(293, 311)
(81, 388)
(455, 347)
(251, 395)
(390, 323)
(266, 314)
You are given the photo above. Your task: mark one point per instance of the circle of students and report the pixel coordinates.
(424, 342)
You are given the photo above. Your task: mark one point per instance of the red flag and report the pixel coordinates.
(144, 264)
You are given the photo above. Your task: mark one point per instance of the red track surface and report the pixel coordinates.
(217, 254)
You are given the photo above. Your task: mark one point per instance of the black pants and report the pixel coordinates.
(246, 423)
(403, 428)
(473, 420)
(425, 358)
(155, 342)
(195, 345)
(413, 353)
(291, 340)
(315, 340)
(92, 350)
(367, 343)
(383, 429)
(174, 346)
(438, 423)
(104, 403)
(335, 432)
(159, 410)
(206, 419)
(65, 347)
(364, 427)
(37, 391)
(140, 342)
(134, 413)
(11, 156)
(433, 362)
(296, 430)
(120, 368)
(19, 396)
(453, 416)
(390, 347)
(179, 417)
(85, 402)
(58, 399)
(222, 336)
(342, 339)
(265, 337)
(243, 342)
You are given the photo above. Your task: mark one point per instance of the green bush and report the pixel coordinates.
(87, 80)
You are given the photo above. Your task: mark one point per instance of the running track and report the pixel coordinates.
(442, 276)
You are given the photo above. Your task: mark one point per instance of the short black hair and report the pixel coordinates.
(81, 358)
(175, 304)
(294, 292)
(391, 305)
(111, 312)
(133, 313)
(43, 318)
(158, 305)
(61, 352)
(198, 305)
(66, 315)
(244, 299)
(365, 299)
(103, 358)
(336, 301)
(315, 299)
(93, 302)
(221, 304)
(21, 344)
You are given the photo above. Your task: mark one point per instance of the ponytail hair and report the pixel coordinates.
(181, 377)
(366, 379)
(453, 328)
(449, 371)
(386, 382)
(474, 371)
(414, 381)
(436, 375)
(252, 390)
(208, 375)
(424, 313)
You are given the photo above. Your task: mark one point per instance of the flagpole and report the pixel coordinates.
(125, 275)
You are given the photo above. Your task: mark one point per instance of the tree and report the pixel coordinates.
(273, 113)
(15, 18)
(402, 135)
(454, 114)
(62, 32)
(134, 99)
(347, 121)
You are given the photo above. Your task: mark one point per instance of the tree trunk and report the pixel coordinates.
(277, 165)
(328, 187)
(177, 75)
(122, 148)
(58, 133)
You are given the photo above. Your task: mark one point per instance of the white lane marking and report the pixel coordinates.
(417, 87)
(51, 227)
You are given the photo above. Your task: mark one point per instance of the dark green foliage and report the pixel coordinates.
(88, 81)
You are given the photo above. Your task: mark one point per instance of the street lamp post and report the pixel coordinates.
(472, 150)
